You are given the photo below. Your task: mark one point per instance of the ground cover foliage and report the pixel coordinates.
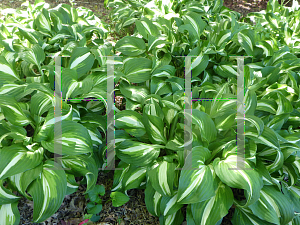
(149, 136)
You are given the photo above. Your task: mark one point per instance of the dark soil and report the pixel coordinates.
(72, 209)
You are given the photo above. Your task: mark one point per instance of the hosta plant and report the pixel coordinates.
(27, 116)
(150, 141)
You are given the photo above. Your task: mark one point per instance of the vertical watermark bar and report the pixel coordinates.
(240, 136)
(58, 114)
(188, 136)
(110, 152)
(57, 108)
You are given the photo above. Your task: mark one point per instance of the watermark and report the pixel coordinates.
(240, 101)
(188, 136)
(110, 151)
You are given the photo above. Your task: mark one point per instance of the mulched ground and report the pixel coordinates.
(72, 209)
(133, 212)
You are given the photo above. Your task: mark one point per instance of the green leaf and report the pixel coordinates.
(43, 22)
(45, 128)
(82, 165)
(267, 105)
(146, 28)
(225, 71)
(284, 105)
(174, 219)
(154, 126)
(249, 179)
(199, 64)
(267, 137)
(9, 214)
(246, 39)
(95, 192)
(94, 209)
(72, 186)
(154, 41)
(194, 24)
(74, 139)
(226, 120)
(48, 191)
(81, 60)
(223, 38)
(35, 55)
(257, 122)
(169, 205)
(12, 111)
(41, 103)
(137, 153)
(216, 6)
(7, 72)
(161, 176)
(118, 199)
(134, 93)
(16, 159)
(206, 125)
(214, 209)
(250, 102)
(244, 216)
(131, 46)
(273, 206)
(138, 70)
(131, 121)
(196, 180)
(24, 179)
(268, 50)
(134, 177)
(152, 200)
(6, 196)
(71, 87)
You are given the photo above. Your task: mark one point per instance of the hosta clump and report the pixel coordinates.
(27, 123)
(151, 148)
(154, 141)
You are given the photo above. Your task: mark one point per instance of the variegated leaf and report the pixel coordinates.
(214, 209)
(81, 60)
(40, 103)
(9, 214)
(16, 159)
(6, 196)
(244, 216)
(131, 46)
(12, 111)
(35, 55)
(161, 176)
(273, 206)
(137, 153)
(169, 204)
(152, 200)
(173, 219)
(206, 125)
(82, 165)
(74, 139)
(247, 179)
(22, 180)
(134, 177)
(48, 191)
(246, 39)
(138, 70)
(154, 127)
(43, 131)
(7, 73)
(196, 180)
(131, 121)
